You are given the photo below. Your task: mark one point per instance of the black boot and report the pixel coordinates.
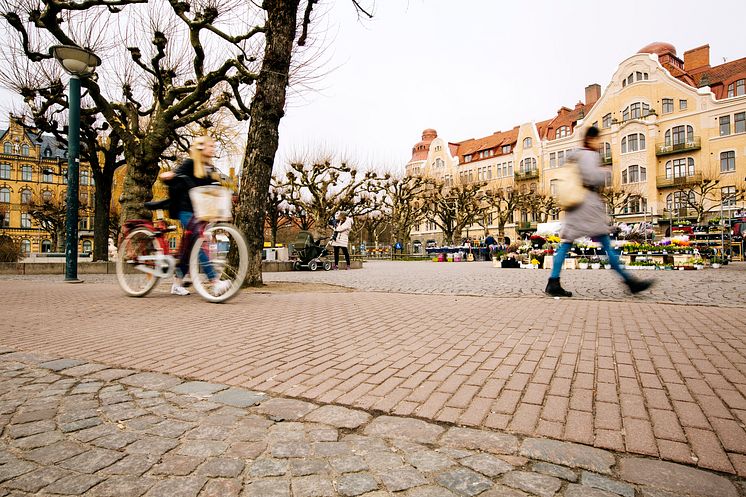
(555, 289)
(637, 286)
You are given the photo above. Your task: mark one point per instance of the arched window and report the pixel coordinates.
(7, 148)
(4, 195)
(634, 174)
(87, 246)
(47, 152)
(636, 111)
(47, 196)
(678, 135)
(737, 88)
(527, 165)
(25, 151)
(27, 173)
(4, 171)
(680, 200)
(26, 196)
(636, 204)
(633, 143)
(527, 142)
(606, 151)
(25, 247)
(46, 246)
(680, 168)
(562, 131)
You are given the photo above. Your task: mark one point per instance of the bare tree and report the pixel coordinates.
(278, 212)
(503, 204)
(453, 208)
(50, 215)
(404, 202)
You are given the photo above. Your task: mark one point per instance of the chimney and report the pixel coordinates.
(697, 58)
(592, 94)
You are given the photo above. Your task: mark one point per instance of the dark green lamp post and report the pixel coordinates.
(78, 62)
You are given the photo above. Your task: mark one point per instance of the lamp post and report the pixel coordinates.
(76, 62)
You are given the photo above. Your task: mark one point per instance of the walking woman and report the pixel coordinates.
(340, 239)
(589, 218)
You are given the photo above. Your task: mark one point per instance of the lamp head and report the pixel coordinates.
(75, 60)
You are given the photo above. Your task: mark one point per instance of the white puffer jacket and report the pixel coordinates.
(343, 232)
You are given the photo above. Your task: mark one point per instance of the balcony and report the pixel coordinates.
(678, 182)
(605, 161)
(694, 144)
(526, 175)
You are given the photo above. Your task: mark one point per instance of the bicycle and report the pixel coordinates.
(144, 256)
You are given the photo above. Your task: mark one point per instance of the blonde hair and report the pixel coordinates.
(195, 152)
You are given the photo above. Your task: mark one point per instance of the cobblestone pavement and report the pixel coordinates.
(82, 428)
(641, 377)
(720, 287)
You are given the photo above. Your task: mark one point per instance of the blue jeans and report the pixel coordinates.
(189, 225)
(564, 248)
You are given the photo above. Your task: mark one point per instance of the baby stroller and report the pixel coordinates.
(309, 253)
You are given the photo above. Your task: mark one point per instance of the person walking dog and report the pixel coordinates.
(341, 237)
(588, 219)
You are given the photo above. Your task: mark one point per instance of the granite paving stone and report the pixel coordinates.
(133, 464)
(74, 484)
(568, 454)
(555, 470)
(396, 480)
(429, 460)
(464, 481)
(468, 438)
(238, 397)
(340, 417)
(155, 446)
(201, 448)
(222, 488)
(37, 479)
(60, 364)
(352, 485)
(198, 388)
(409, 429)
(221, 467)
(348, 464)
(308, 466)
(188, 486)
(486, 464)
(174, 464)
(431, 491)
(312, 486)
(92, 461)
(268, 467)
(153, 381)
(279, 409)
(574, 490)
(268, 487)
(675, 478)
(55, 453)
(604, 483)
(123, 486)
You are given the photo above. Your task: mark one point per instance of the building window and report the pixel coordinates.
(7, 148)
(25, 151)
(84, 223)
(606, 151)
(553, 187)
(26, 196)
(25, 220)
(552, 160)
(467, 158)
(680, 200)
(724, 125)
(46, 176)
(84, 178)
(26, 173)
(667, 105)
(527, 165)
(4, 171)
(64, 176)
(680, 168)
(728, 196)
(25, 247)
(506, 149)
(560, 158)
(606, 121)
(633, 143)
(4, 196)
(46, 246)
(682, 104)
(636, 204)
(527, 143)
(634, 174)
(727, 161)
(678, 135)
(739, 121)
(636, 111)
(46, 196)
(5, 219)
(738, 88)
(87, 246)
(562, 131)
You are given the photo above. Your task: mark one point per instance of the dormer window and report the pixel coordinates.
(7, 148)
(562, 132)
(25, 150)
(47, 152)
(506, 149)
(467, 158)
(737, 88)
(635, 76)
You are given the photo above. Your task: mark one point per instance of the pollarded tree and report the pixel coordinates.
(322, 189)
(454, 207)
(50, 216)
(502, 203)
(403, 201)
(278, 214)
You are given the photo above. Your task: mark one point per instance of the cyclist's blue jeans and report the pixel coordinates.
(189, 224)
(605, 241)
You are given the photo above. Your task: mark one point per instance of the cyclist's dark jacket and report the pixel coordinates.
(179, 186)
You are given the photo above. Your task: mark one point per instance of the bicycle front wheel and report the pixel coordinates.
(136, 262)
(219, 262)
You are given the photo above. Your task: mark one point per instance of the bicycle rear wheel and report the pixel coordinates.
(136, 262)
(221, 244)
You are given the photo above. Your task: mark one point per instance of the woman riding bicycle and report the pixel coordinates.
(193, 172)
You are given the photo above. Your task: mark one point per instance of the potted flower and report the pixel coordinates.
(535, 263)
(595, 263)
(698, 263)
(583, 263)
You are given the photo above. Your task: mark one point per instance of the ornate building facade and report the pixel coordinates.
(33, 170)
(673, 132)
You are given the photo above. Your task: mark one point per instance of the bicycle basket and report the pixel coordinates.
(211, 203)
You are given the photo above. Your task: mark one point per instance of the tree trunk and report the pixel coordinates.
(101, 216)
(138, 187)
(267, 108)
(60, 241)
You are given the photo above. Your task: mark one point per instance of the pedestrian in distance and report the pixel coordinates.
(341, 237)
(588, 219)
(195, 171)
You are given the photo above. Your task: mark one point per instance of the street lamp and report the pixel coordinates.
(77, 62)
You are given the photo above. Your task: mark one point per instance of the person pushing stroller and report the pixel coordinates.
(341, 226)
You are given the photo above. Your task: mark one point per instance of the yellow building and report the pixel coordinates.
(33, 169)
(674, 132)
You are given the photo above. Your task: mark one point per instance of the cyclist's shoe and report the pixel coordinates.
(178, 290)
(221, 287)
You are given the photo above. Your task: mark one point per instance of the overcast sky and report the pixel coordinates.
(472, 67)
